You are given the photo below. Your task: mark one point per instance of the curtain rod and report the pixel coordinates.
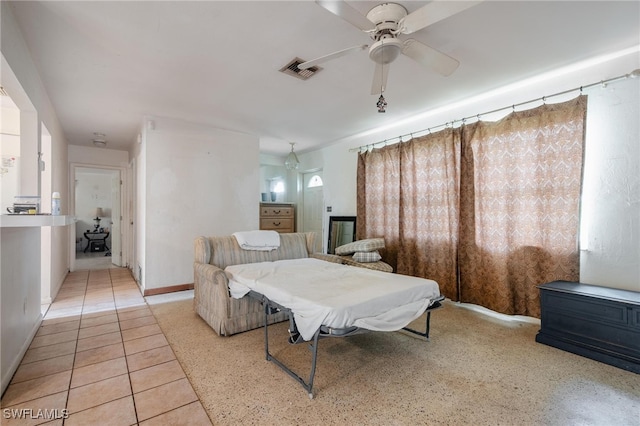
(632, 74)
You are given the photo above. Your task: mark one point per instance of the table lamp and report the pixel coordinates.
(97, 219)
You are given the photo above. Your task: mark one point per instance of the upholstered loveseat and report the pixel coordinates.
(212, 301)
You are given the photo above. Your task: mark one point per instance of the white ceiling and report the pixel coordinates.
(106, 65)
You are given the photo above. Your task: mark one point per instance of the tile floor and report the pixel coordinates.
(93, 261)
(99, 357)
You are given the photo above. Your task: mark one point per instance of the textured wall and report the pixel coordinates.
(199, 181)
(610, 237)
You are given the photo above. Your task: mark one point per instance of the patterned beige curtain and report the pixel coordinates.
(408, 193)
(521, 181)
(378, 199)
(489, 211)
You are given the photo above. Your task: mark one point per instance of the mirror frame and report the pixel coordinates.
(334, 219)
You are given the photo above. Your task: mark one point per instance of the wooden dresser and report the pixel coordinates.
(600, 323)
(277, 217)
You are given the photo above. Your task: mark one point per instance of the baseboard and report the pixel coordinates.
(170, 289)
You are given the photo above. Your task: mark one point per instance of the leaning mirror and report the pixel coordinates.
(342, 230)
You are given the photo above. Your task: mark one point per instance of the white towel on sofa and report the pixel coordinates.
(258, 240)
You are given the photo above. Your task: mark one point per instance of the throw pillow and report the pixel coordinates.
(370, 244)
(366, 256)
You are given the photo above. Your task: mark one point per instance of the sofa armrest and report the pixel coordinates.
(210, 292)
(205, 273)
(225, 315)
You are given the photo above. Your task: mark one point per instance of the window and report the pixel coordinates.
(315, 181)
(278, 186)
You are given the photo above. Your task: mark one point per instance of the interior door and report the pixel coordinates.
(116, 220)
(312, 204)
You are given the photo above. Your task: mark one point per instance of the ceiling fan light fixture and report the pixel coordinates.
(292, 162)
(385, 50)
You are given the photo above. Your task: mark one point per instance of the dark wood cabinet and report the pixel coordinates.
(595, 322)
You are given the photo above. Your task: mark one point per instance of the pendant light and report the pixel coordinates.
(292, 162)
(382, 104)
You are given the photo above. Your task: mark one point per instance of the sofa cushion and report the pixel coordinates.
(292, 246)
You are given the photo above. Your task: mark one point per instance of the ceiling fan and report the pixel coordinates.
(384, 23)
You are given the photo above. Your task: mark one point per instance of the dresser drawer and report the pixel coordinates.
(276, 212)
(277, 224)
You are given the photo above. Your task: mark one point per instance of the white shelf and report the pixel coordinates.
(34, 220)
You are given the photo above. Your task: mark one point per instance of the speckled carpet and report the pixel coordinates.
(474, 370)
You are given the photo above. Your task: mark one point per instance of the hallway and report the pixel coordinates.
(93, 261)
(100, 357)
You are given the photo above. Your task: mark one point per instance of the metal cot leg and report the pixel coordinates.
(434, 306)
(266, 330)
(308, 386)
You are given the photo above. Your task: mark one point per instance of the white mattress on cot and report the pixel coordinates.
(339, 296)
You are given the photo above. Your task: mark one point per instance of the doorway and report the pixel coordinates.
(97, 208)
(312, 204)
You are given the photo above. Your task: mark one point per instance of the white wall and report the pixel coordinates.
(611, 192)
(20, 255)
(611, 199)
(90, 156)
(140, 207)
(199, 180)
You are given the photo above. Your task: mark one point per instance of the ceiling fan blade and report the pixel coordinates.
(380, 75)
(349, 14)
(330, 56)
(429, 57)
(432, 13)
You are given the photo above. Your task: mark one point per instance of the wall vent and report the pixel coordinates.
(292, 69)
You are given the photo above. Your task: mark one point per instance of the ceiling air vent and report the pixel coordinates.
(292, 69)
